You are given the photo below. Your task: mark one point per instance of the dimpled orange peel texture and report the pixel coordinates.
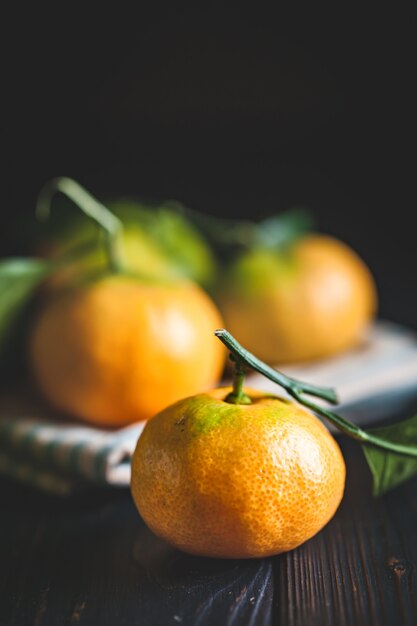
(232, 480)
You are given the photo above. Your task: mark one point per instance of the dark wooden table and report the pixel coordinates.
(89, 560)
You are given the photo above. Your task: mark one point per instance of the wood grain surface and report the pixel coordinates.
(90, 560)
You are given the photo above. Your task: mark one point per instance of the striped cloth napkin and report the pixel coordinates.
(60, 456)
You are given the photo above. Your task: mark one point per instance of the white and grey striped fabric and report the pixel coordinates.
(60, 456)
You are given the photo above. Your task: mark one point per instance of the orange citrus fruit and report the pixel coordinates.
(311, 301)
(117, 350)
(232, 480)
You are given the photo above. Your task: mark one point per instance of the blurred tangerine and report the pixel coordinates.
(117, 349)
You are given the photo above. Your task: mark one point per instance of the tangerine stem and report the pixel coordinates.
(297, 389)
(290, 384)
(238, 396)
(357, 433)
(111, 225)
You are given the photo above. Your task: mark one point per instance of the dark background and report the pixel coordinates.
(233, 112)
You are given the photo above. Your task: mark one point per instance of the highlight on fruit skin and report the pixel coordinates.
(118, 349)
(236, 480)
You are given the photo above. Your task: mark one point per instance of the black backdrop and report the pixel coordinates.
(234, 112)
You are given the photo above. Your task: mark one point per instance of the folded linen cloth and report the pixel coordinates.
(60, 456)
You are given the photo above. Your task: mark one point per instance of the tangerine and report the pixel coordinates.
(117, 350)
(236, 480)
(309, 302)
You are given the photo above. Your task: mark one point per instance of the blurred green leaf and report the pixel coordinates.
(230, 236)
(390, 469)
(18, 280)
(169, 228)
(158, 239)
(283, 230)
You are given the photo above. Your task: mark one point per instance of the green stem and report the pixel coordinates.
(290, 384)
(111, 225)
(354, 431)
(238, 396)
(297, 389)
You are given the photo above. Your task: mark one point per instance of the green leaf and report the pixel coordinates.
(18, 280)
(390, 469)
(283, 230)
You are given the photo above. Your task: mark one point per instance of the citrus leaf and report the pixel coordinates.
(283, 230)
(18, 280)
(390, 469)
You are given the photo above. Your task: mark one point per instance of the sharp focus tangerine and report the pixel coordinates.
(232, 480)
